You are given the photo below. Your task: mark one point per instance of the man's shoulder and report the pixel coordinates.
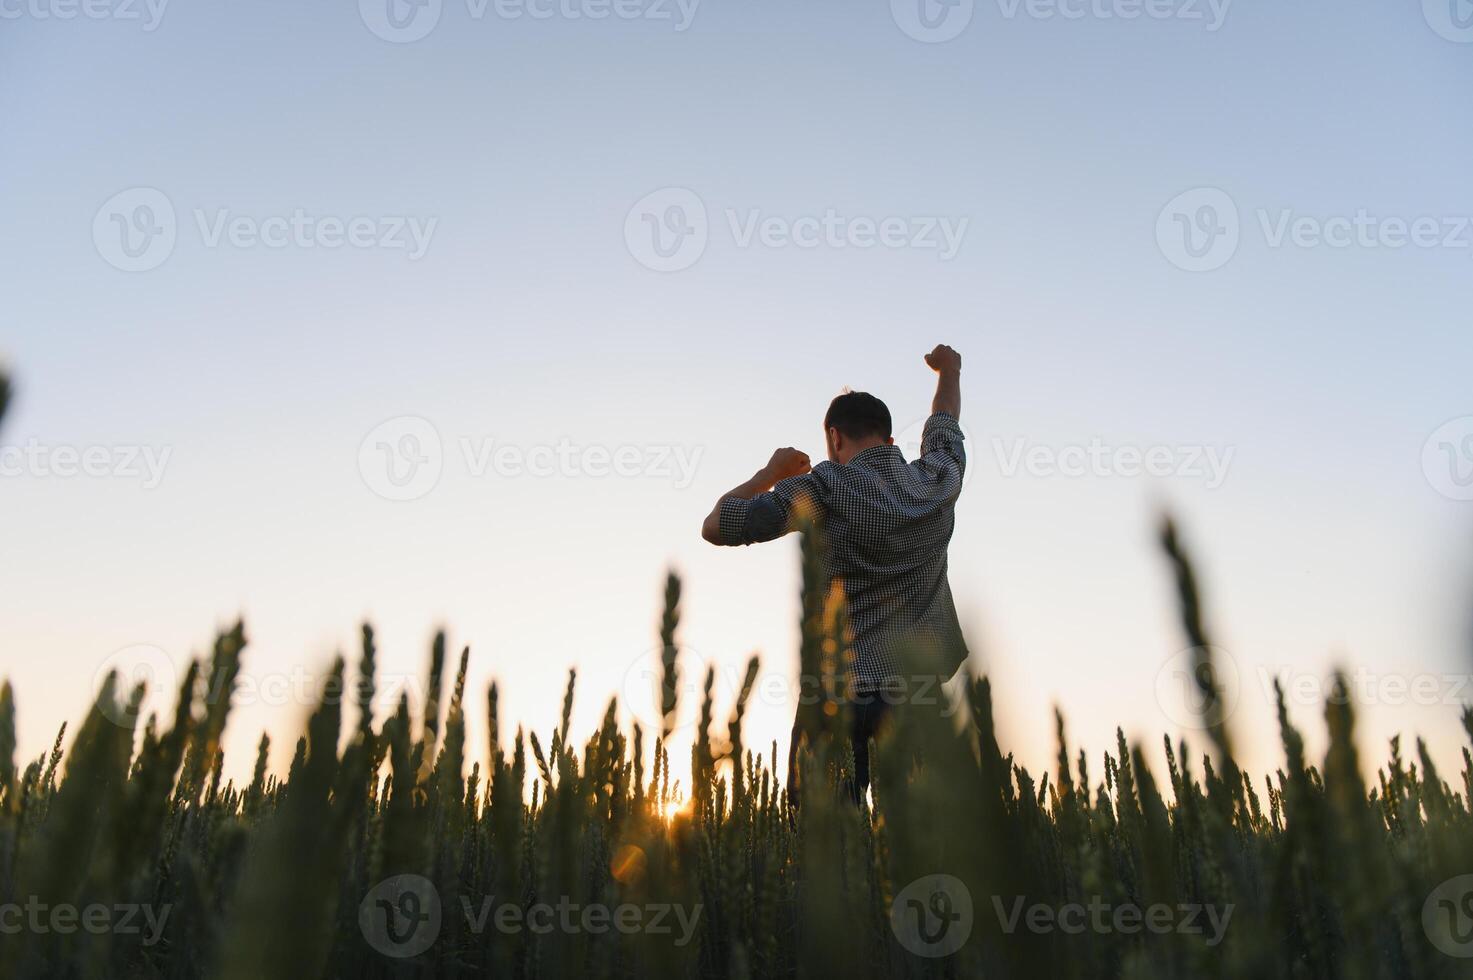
(823, 478)
(832, 474)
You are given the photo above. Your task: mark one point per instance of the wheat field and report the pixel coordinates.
(123, 854)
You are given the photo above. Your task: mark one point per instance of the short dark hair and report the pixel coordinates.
(858, 415)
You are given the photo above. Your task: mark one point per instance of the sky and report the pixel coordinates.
(461, 314)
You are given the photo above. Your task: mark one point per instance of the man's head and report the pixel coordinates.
(855, 421)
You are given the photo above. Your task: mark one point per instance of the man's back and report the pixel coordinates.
(887, 524)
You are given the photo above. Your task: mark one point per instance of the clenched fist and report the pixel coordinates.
(944, 360)
(787, 462)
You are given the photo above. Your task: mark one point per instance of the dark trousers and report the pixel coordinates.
(867, 714)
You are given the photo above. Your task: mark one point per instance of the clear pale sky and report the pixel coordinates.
(533, 316)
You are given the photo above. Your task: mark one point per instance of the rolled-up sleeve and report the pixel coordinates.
(941, 445)
(769, 515)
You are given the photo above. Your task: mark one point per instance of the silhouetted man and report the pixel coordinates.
(886, 525)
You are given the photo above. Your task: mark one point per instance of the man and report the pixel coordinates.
(886, 527)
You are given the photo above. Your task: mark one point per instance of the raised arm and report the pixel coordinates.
(783, 464)
(947, 364)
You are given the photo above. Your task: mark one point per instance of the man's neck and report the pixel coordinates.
(850, 453)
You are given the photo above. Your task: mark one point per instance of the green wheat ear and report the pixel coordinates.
(7, 747)
(669, 668)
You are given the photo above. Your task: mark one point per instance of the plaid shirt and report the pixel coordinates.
(887, 524)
